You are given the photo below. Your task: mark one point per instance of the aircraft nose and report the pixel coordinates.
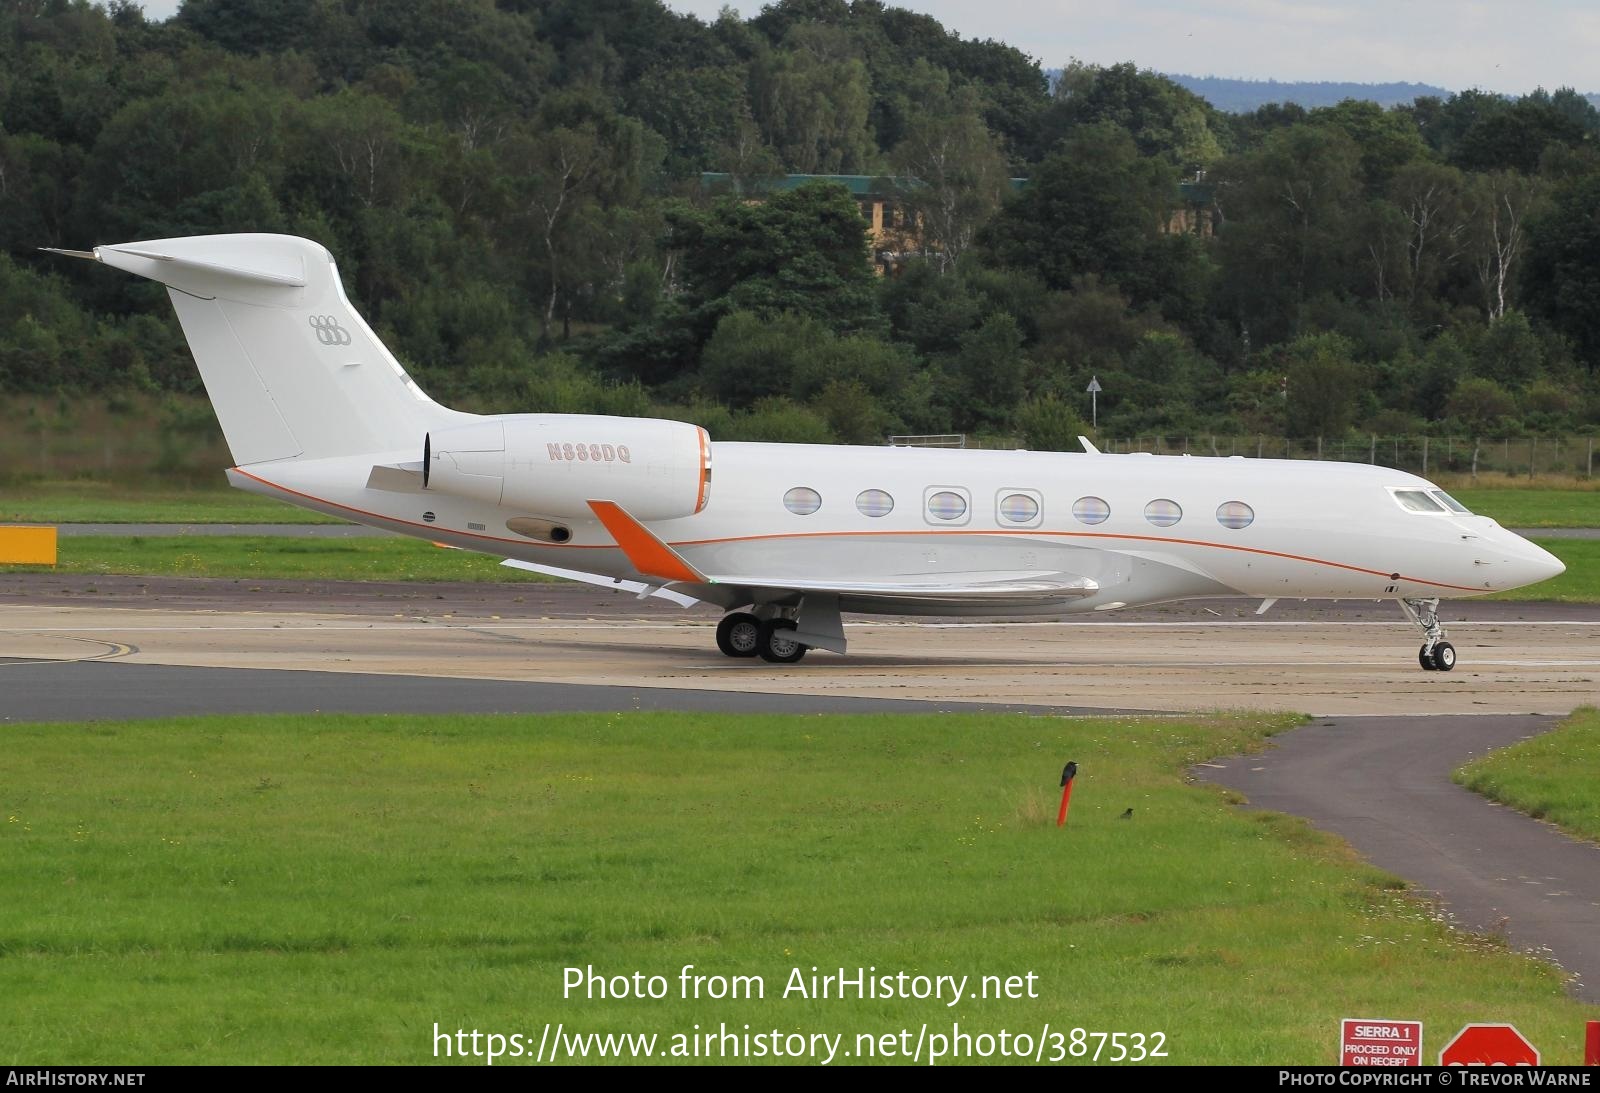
(1529, 564)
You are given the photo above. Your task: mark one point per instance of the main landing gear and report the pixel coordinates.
(742, 634)
(1436, 654)
(780, 633)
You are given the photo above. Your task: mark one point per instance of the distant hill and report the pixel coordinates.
(1244, 96)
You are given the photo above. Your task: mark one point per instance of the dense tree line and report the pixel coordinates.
(513, 191)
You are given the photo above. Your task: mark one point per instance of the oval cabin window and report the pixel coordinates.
(1091, 510)
(1235, 515)
(874, 503)
(946, 505)
(1018, 508)
(1163, 513)
(802, 500)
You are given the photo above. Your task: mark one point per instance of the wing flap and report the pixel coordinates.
(616, 584)
(947, 587)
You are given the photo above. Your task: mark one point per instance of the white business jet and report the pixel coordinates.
(318, 413)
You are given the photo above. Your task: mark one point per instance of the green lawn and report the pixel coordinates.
(326, 889)
(1534, 508)
(96, 502)
(269, 557)
(400, 559)
(1553, 777)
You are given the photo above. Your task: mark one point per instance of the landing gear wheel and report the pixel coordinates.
(739, 634)
(1436, 654)
(1444, 656)
(777, 645)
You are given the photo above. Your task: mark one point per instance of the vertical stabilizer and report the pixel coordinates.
(292, 371)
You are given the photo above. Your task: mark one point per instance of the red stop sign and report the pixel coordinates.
(1489, 1045)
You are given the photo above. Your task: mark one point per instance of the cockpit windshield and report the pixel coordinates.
(1419, 501)
(1432, 501)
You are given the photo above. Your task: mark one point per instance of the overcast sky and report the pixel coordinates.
(1455, 44)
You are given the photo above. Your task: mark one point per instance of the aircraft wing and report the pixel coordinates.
(653, 557)
(952, 588)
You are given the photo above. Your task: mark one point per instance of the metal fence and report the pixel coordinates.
(1522, 456)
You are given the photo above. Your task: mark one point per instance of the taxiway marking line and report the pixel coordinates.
(706, 624)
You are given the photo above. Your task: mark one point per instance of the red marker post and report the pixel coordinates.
(1068, 772)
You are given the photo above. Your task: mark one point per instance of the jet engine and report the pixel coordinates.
(554, 464)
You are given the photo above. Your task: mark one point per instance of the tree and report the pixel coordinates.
(802, 251)
(1163, 119)
(1387, 139)
(1323, 384)
(1096, 207)
(1048, 423)
(1563, 269)
(991, 372)
(1480, 405)
(1513, 139)
(811, 97)
(952, 175)
(1500, 204)
(1289, 207)
(1433, 201)
(577, 156)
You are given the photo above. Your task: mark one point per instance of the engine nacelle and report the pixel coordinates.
(554, 464)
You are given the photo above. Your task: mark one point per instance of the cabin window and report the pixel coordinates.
(947, 506)
(1235, 515)
(1163, 513)
(802, 500)
(1091, 510)
(1418, 501)
(1451, 503)
(874, 503)
(1018, 508)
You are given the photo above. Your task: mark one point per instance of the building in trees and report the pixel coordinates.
(898, 228)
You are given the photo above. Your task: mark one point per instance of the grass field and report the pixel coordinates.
(97, 502)
(1579, 584)
(268, 558)
(254, 890)
(396, 559)
(1527, 507)
(1553, 777)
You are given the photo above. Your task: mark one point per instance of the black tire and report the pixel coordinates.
(739, 634)
(777, 646)
(1425, 659)
(1444, 656)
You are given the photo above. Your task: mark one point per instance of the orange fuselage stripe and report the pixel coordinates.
(864, 534)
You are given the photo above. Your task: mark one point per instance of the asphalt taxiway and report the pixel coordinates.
(1374, 768)
(1324, 659)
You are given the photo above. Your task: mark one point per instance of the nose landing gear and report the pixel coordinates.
(1436, 654)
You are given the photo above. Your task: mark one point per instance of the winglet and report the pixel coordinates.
(1088, 446)
(648, 554)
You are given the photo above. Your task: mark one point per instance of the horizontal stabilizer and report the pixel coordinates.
(287, 276)
(395, 477)
(638, 588)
